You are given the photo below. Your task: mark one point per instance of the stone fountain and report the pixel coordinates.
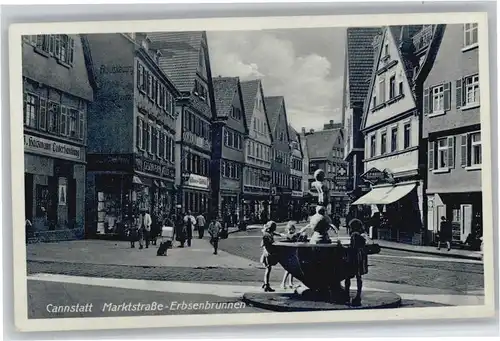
(321, 267)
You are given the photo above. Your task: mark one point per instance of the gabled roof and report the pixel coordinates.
(320, 144)
(294, 136)
(360, 56)
(180, 55)
(273, 106)
(430, 56)
(400, 34)
(225, 88)
(249, 91)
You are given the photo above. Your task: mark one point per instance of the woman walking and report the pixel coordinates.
(214, 229)
(291, 237)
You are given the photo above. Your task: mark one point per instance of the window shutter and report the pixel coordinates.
(138, 75)
(430, 155)
(71, 50)
(426, 101)
(447, 96)
(138, 132)
(451, 152)
(459, 93)
(463, 150)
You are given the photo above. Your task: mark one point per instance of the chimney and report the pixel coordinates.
(142, 39)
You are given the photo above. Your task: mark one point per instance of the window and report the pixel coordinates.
(470, 34)
(401, 89)
(407, 135)
(383, 142)
(63, 129)
(381, 90)
(386, 50)
(43, 114)
(140, 77)
(472, 90)
(475, 140)
(150, 86)
(392, 87)
(438, 98)
(73, 122)
(394, 139)
(30, 103)
(442, 156)
(139, 133)
(150, 138)
(374, 101)
(373, 145)
(53, 117)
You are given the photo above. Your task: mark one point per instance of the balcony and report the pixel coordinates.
(422, 39)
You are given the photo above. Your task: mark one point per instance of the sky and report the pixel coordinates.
(306, 66)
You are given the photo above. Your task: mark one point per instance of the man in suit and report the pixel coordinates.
(146, 222)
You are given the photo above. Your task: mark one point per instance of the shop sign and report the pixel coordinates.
(341, 175)
(297, 194)
(109, 162)
(52, 148)
(198, 181)
(198, 141)
(373, 176)
(155, 168)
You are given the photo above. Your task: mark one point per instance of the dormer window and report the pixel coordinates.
(145, 44)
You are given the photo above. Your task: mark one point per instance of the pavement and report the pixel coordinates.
(105, 252)
(99, 272)
(429, 250)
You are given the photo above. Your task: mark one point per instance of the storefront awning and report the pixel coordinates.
(385, 195)
(136, 180)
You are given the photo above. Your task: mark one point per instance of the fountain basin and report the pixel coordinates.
(320, 267)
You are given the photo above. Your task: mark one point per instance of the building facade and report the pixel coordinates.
(56, 93)
(231, 131)
(326, 152)
(452, 130)
(359, 60)
(131, 133)
(185, 59)
(257, 171)
(281, 154)
(394, 154)
(296, 174)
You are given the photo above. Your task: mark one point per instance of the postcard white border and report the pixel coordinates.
(225, 24)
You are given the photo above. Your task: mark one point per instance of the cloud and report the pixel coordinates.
(311, 85)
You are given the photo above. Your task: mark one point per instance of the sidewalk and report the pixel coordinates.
(430, 250)
(199, 255)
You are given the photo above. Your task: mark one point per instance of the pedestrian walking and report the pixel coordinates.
(133, 231)
(445, 233)
(214, 229)
(357, 260)
(200, 225)
(291, 236)
(180, 230)
(269, 257)
(190, 223)
(145, 229)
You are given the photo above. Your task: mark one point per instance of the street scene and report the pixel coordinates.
(228, 172)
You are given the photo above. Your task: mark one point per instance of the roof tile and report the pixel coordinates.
(225, 88)
(273, 106)
(321, 143)
(249, 91)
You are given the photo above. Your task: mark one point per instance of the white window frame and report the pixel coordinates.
(440, 149)
(383, 150)
(472, 89)
(150, 140)
(473, 149)
(394, 128)
(373, 146)
(437, 93)
(405, 125)
(469, 42)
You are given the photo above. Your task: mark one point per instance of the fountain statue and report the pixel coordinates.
(320, 264)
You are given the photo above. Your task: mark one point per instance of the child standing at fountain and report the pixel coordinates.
(291, 237)
(268, 258)
(357, 260)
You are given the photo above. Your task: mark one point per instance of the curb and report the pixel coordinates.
(434, 253)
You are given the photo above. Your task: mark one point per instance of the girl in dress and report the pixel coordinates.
(291, 236)
(357, 260)
(268, 258)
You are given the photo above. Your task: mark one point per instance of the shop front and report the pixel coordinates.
(395, 211)
(462, 210)
(230, 200)
(195, 194)
(120, 186)
(54, 174)
(256, 204)
(297, 205)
